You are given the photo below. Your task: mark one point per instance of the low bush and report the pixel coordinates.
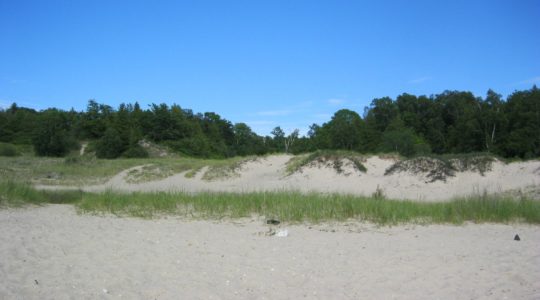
(333, 157)
(8, 150)
(441, 167)
(135, 151)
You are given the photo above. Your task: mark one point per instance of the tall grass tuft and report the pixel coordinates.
(16, 194)
(298, 207)
(285, 206)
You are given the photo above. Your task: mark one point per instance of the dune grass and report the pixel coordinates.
(293, 207)
(17, 194)
(440, 167)
(226, 168)
(298, 207)
(77, 170)
(333, 157)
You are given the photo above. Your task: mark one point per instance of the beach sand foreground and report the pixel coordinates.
(51, 252)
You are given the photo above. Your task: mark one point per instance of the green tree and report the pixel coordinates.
(492, 120)
(52, 136)
(383, 111)
(345, 130)
(460, 114)
(110, 145)
(399, 138)
(278, 139)
(245, 141)
(19, 125)
(523, 129)
(96, 119)
(291, 139)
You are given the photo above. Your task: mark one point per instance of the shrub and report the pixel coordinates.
(197, 146)
(110, 145)
(433, 168)
(8, 150)
(135, 151)
(332, 157)
(441, 167)
(52, 137)
(72, 160)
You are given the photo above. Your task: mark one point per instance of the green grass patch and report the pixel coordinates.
(293, 207)
(191, 173)
(86, 169)
(334, 158)
(223, 169)
(298, 207)
(17, 194)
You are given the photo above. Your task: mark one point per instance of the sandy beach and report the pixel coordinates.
(51, 252)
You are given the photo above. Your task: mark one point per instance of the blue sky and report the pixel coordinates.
(266, 63)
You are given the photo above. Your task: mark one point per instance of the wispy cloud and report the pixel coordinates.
(282, 112)
(287, 110)
(304, 104)
(261, 122)
(10, 80)
(322, 116)
(335, 101)
(4, 104)
(419, 80)
(534, 80)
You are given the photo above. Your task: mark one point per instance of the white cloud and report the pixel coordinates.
(4, 104)
(323, 116)
(261, 122)
(335, 101)
(283, 112)
(419, 80)
(534, 80)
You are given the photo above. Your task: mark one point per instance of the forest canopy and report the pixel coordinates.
(450, 122)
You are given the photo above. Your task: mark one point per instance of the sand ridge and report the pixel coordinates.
(269, 174)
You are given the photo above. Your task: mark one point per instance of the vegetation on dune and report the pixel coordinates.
(334, 158)
(287, 207)
(87, 169)
(450, 122)
(428, 131)
(8, 150)
(443, 166)
(226, 169)
(297, 207)
(17, 194)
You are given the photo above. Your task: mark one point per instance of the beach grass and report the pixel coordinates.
(79, 170)
(333, 157)
(441, 167)
(297, 207)
(18, 194)
(293, 207)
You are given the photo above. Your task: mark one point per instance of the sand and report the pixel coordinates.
(50, 252)
(269, 174)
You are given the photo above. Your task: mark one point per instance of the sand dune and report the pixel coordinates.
(51, 252)
(269, 174)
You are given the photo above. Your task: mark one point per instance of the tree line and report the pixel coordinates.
(450, 122)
